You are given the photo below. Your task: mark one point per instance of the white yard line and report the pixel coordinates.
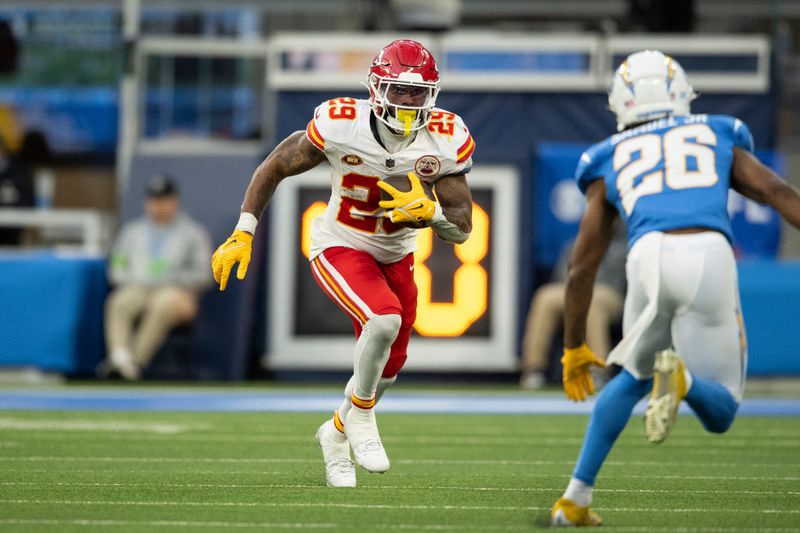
(84, 425)
(163, 523)
(274, 460)
(250, 525)
(377, 527)
(693, 444)
(383, 506)
(249, 472)
(383, 487)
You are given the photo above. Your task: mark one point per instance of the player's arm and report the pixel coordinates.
(757, 181)
(452, 220)
(293, 156)
(594, 236)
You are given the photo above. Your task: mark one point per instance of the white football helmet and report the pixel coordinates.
(649, 85)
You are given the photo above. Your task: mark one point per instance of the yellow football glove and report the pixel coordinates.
(577, 380)
(412, 207)
(236, 248)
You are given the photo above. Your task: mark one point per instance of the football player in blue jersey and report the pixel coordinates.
(667, 174)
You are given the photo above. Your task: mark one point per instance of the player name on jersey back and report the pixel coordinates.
(669, 173)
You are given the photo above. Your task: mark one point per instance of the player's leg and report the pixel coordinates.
(356, 283)
(547, 310)
(645, 331)
(709, 334)
(400, 276)
(609, 417)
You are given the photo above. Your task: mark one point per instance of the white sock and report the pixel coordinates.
(383, 384)
(347, 402)
(372, 352)
(579, 492)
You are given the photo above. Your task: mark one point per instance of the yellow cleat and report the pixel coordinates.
(669, 390)
(566, 513)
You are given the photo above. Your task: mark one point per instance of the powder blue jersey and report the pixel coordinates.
(668, 174)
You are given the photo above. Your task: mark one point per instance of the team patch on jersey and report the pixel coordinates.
(427, 165)
(352, 159)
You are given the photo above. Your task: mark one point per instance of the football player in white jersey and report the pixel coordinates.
(362, 246)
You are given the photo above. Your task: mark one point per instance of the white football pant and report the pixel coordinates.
(683, 292)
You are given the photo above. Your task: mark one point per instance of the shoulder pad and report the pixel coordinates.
(335, 120)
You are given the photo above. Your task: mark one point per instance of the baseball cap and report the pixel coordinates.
(159, 186)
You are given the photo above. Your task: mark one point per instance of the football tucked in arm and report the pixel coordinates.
(402, 184)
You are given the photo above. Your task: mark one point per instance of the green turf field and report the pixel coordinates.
(131, 471)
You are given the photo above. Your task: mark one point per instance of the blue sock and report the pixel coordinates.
(714, 405)
(609, 417)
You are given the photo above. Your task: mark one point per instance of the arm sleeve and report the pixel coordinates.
(586, 173)
(465, 149)
(313, 132)
(742, 136)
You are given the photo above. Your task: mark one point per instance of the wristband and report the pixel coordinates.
(247, 222)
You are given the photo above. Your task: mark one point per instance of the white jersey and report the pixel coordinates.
(353, 219)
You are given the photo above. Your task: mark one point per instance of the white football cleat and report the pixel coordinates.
(339, 468)
(669, 389)
(362, 433)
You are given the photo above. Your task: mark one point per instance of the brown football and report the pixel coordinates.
(401, 183)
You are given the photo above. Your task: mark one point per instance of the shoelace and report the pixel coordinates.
(371, 445)
(344, 466)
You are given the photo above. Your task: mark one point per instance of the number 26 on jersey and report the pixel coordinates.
(677, 147)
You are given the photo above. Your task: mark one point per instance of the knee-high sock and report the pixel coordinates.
(714, 405)
(372, 352)
(609, 417)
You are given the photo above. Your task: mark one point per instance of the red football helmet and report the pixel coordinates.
(403, 83)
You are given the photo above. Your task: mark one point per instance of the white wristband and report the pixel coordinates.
(438, 215)
(247, 222)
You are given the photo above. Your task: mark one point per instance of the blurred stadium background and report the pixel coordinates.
(96, 96)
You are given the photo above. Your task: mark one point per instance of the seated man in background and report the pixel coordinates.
(16, 190)
(159, 266)
(547, 311)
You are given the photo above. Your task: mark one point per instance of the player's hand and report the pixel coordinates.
(577, 380)
(412, 207)
(236, 249)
